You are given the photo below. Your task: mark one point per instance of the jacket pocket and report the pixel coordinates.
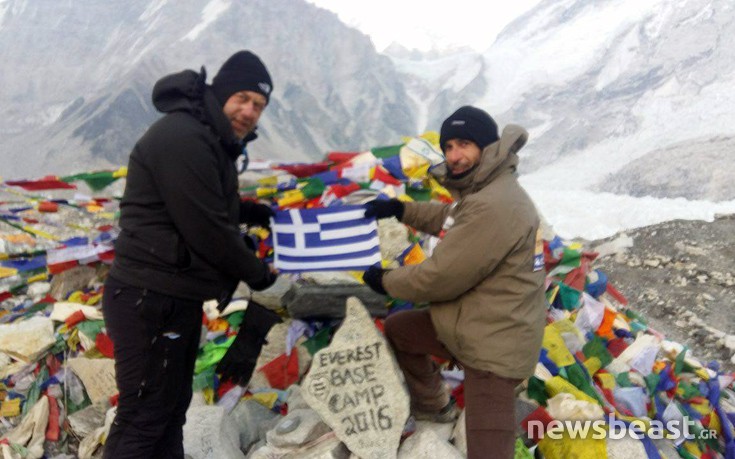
(162, 249)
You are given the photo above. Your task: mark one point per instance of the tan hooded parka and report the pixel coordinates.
(485, 280)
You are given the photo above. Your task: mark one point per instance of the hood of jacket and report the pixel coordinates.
(187, 91)
(497, 158)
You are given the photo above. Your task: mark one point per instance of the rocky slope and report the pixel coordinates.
(681, 276)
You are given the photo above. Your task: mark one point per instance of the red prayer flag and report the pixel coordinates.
(282, 371)
(458, 394)
(302, 170)
(48, 206)
(104, 345)
(75, 318)
(46, 183)
(340, 156)
(52, 428)
(539, 414)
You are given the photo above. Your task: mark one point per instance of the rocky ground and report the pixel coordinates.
(681, 276)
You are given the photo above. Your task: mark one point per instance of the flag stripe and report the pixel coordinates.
(357, 264)
(330, 257)
(325, 251)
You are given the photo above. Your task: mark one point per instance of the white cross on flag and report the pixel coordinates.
(325, 239)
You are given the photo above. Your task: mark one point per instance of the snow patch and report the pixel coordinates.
(618, 62)
(591, 215)
(211, 13)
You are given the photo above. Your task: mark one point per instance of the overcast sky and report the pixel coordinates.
(428, 24)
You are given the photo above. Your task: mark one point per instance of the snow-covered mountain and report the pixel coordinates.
(600, 83)
(630, 106)
(623, 98)
(77, 77)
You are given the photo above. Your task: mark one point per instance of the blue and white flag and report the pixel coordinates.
(325, 239)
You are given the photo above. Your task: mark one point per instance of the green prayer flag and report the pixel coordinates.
(90, 328)
(387, 151)
(570, 297)
(313, 189)
(688, 390)
(537, 390)
(95, 180)
(419, 194)
(211, 354)
(521, 452)
(579, 377)
(203, 380)
(679, 362)
(623, 380)
(319, 341)
(596, 348)
(652, 381)
(35, 391)
(235, 319)
(571, 257)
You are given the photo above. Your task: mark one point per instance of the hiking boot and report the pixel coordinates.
(444, 416)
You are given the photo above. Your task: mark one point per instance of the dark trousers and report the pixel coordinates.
(156, 338)
(489, 398)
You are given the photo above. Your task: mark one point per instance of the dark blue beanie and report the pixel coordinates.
(243, 71)
(469, 123)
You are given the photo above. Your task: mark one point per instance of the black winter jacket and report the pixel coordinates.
(180, 210)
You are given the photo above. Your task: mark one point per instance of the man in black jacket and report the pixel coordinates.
(180, 245)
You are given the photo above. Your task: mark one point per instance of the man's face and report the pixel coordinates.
(462, 155)
(243, 109)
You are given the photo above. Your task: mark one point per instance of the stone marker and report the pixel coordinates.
(328, 301)
(327, 446)
(354, 385)
(426, 444)
(210, 434)
(85, 421)
(298, 428)
(252, 420)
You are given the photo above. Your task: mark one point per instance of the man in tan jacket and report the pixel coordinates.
(484, 283)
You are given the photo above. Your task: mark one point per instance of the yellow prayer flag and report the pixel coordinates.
(557, 349)
(7, 272)
(267, 399)
(10, 408)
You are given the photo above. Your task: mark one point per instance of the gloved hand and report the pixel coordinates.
(238, 362)
(373, 277)
(381, 208)
(253, 213)
(265, 282)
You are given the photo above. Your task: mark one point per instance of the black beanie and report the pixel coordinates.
(469, 123)
(243, 71)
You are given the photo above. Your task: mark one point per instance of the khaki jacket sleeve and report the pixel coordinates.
(427, 217)
(479, 240)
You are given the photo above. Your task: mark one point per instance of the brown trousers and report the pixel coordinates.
(489, 398)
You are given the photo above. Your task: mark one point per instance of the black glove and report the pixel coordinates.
(381, 208)
(239, 361)
(265, 282)
(373, 277)
(253, 213)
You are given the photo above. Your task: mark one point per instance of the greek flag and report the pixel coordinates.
(325, 239)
